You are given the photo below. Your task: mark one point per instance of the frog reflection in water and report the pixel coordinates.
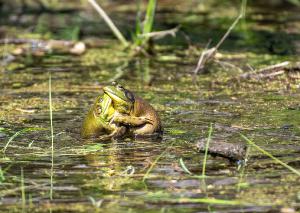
(123, 113)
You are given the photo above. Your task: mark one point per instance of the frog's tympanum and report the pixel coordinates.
(97, 121)
(119, 112)
(132, 111)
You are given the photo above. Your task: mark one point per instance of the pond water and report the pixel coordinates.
(135, 175)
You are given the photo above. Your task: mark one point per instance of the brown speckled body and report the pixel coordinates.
(143, 109)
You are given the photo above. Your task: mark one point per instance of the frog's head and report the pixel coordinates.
(122, 98)
(103, 108)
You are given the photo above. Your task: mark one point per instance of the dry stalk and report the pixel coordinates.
(209, 54)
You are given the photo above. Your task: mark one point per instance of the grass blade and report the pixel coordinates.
(52, 137)
(149, 19)
(184, 167)
(270, 155)
(206, 149)
(138, 24)
(244, 7)
(19, 133)
(23, 189)
(155, 162)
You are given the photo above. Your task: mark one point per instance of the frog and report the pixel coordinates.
(98, 121)
(133, 112)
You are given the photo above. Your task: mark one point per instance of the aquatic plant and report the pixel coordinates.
(242, 169)
(204, 158)
(52, 137)
(206, 149)
(144, 27)
(2, 177)
(19, 133)
(161, 196)
(156, 160)
(23, 189)
(183, 166)
(95, 203)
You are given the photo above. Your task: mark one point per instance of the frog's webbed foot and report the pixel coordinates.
(104, 138)
(118, 132)
(115, 134)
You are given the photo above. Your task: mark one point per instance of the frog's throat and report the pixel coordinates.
(99, 117)
(106, 106)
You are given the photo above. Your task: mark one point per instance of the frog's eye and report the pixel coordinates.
(98, 111)
(119, 87)
(129, 95)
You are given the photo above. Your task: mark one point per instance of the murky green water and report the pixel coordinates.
(91, 176)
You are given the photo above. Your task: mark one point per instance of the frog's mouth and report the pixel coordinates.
(113, 95)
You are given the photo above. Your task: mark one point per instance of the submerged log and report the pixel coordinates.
(232, 151)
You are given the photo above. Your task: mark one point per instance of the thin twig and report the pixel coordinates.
(160, 34)
(229, 31)
(109, 22)
(200, 61)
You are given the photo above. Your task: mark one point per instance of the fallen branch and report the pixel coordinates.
(270, 71)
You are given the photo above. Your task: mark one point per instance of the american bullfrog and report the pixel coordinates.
(132, 111)
(97, 122)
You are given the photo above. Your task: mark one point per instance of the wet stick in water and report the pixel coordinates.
(270, 155)
(52, 137)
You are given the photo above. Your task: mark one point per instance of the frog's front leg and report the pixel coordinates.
(131, 120)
